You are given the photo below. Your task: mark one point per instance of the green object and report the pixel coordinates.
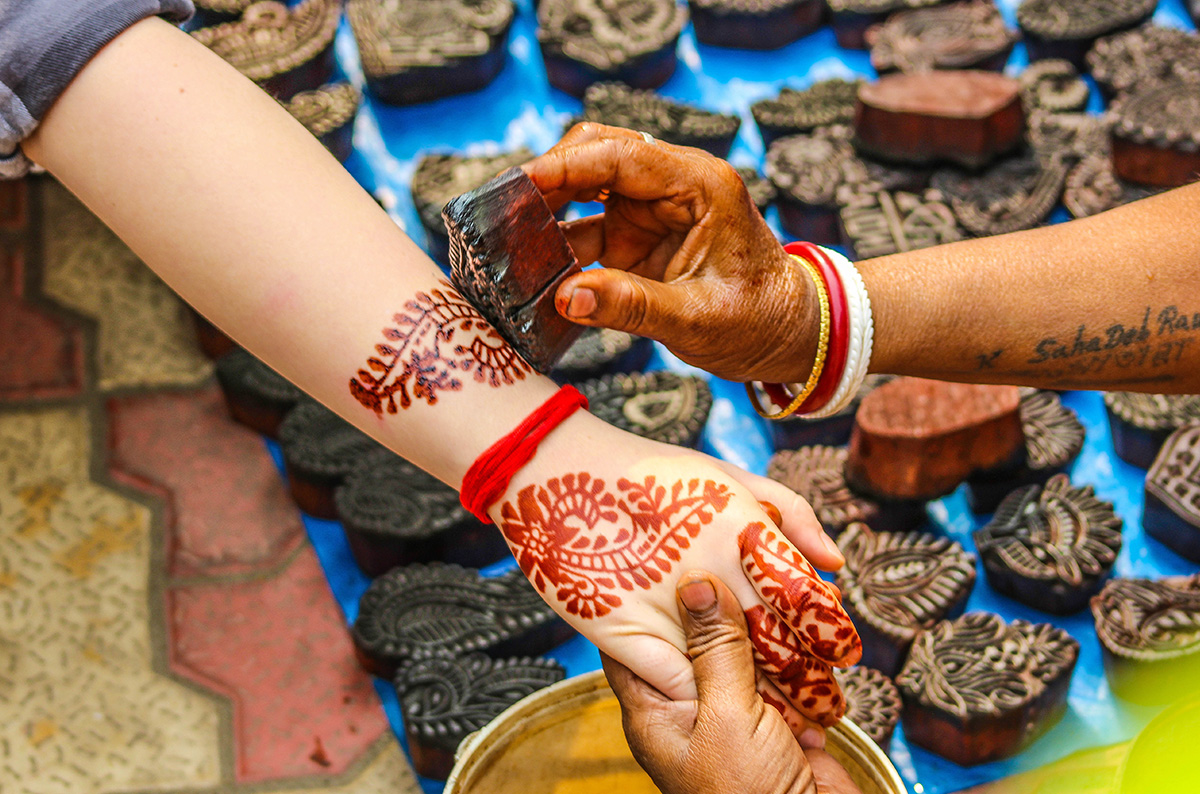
(1163, 758)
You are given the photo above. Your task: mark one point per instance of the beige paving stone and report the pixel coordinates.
(81, 709)
(387, 773)
(145, 337)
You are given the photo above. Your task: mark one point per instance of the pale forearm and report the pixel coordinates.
(240, 209)
(1107, 302)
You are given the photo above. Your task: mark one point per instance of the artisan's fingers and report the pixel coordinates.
(586, 238)
(807, 732)
(807, 683)
(627, 302)
(831, 777)
(790, 586)
(722, 660)
(799, 523)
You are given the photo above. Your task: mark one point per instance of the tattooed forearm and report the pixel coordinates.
(437, 338)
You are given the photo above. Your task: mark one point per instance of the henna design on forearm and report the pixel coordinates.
(790, 585)
(421, 353)
(551, 529)
(807, 682)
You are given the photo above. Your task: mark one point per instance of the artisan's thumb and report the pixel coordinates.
(722, 661)
(625, 302)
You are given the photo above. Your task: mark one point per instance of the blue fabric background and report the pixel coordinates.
(520, 108)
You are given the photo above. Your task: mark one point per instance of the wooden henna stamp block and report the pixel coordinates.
(966, 117)
(1050, 546)
(755, 24)
(1011, 195)
(853, 18)
(1156, 134)
(443, 700)
(872, 702)
(1141, 423)
(1067, 30)
(256, 395)
(666, 119)
(1172, 513)
(328, 113)
(970, 35)
(602, 351)
(1146, 55)
(918, 439)
(661, 406)
(438, 611)
(978, 689)
(319, 450)
(1149, 633)
(896, 585)
(508, 256)
(792, 112)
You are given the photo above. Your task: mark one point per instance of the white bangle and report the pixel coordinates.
(862, 337)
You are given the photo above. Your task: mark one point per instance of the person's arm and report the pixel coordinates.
(244, 213)
(726, 741)
(1110, 302)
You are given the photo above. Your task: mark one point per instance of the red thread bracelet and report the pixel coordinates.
(839, 326)
(488, 478)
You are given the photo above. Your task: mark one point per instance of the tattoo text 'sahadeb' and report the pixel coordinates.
(550, 531)
(422, 355)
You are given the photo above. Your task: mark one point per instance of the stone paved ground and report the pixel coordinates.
(164, 622)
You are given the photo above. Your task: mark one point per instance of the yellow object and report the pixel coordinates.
(1163, 757)
(567, 739)
(822, 350)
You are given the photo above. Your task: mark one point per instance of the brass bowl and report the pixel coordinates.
(567, 739)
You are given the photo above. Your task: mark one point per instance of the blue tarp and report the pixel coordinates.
(520, 108)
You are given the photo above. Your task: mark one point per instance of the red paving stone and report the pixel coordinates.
(41, 356)
(227, 509)
(278, 648)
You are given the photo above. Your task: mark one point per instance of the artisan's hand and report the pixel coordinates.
(726, 740)
(688, 259)
(603, 523)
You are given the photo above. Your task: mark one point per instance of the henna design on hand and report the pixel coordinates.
(807, 682)
(421, 349)
(811, 606)
(551, 530)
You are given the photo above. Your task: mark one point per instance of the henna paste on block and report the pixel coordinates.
(396, 514)
(1050, 547)
(810, 606)
(1146, 55)
(918, 439)
(1053, 439)
(440, 177)
(256, 395)
(807, 682)
(319, 451)
(896, 585)
(675, 122)
(978, 689)
(508, 256)
(1140, 423)
(328, 113)
(754, 24)
(552, 530)
(1067, 30)
(443, 611)
(661, 406)
(602, 351)
(957, 36)
(793, 112)
(591, 41)
(445, 700)
(965, 117)
(1172, 513)
(420, 51)
(872, 702)
(817, 474)
(285, 50)
(1156, 134)
(436, 343)
(1149, 634)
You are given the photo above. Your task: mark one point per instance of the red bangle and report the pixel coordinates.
(488, 478)
(839, 326)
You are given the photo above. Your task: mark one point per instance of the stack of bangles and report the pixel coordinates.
(843, 345)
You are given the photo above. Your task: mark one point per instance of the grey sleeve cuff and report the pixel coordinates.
(44, 44)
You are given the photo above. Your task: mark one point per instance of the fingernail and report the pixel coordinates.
(583, 302)
(832, 547)
(698, 596)
(812, 739)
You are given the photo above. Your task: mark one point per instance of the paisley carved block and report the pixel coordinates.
(872, 702)
(661, 406)
(1172, 513)
(666, 119)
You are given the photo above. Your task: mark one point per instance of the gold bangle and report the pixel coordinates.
(818, 362)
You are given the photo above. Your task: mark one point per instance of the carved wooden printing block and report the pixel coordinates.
(754, 24)
(853, 18)
(821, 104)
(1067, 30)
(256, 395)
(1140, 423)
(1050, 547)
(602, 351)
(957, 36)
(328, 113)
(319, 450)
(918, 439)
(443, 700)
(978, 689)
(1146, 55)
(896, 585)
(872, 702)
(508, 256)
(1149, 634)
(1172, 514)
(1156, 134)
(966, 117)
(666, 119)
(661, 406)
